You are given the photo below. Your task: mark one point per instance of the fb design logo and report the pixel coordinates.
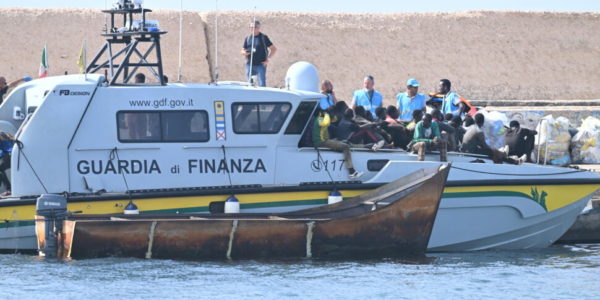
(64, 93)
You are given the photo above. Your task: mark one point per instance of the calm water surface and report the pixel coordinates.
(558, 272)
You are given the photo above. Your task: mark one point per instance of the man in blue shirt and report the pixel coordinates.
(410, 100)
(451, 102)
(367, 97)
(328, 98)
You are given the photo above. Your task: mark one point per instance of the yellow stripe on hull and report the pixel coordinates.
(26, 212)
(556, 196)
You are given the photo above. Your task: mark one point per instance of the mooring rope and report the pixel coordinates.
(309, 236)
(511, 174)
(21, 152)
(231, 235)
(150, 240)
(115, 152)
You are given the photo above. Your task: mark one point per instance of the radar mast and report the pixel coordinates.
(124, 51)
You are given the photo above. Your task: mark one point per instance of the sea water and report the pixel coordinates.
(557, 272)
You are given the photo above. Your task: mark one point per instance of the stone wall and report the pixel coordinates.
(487, 55)
(25, 31)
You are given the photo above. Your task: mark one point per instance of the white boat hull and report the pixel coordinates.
(496, 225)
(18, 238)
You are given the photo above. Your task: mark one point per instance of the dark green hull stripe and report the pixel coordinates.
(13, 224)
(201, 209)
(486, 194)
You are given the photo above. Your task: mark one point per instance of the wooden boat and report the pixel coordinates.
(395, 219)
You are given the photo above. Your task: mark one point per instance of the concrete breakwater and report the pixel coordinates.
(486, 54)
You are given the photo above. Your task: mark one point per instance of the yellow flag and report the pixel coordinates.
(81, 61)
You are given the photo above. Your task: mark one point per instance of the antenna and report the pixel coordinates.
(252, 46)
(105, 18)
(216, 70)
(180, 40)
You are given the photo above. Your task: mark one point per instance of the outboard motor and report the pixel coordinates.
(302, 76)
(53, 208)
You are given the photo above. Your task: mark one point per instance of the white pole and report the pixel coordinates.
(252, 46)
(85, 59)
(216, 70)
(547, 141)
(180, 40)
(105, 20)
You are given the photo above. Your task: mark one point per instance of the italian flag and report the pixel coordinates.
(44, 64)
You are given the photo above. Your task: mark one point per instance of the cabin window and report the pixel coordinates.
(163, 126)
(300, 117)
(252, 118)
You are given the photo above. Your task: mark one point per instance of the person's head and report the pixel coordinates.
(417, 115)
(381, 113)
(437, 115)
(514, 125)
(165, 79)
(448, 116)
(393, 112)
(340, 107)
(2, 82)
(444, 86)
(434, 104)
(326, 86)
(255, 26)
(348, 114)
(456, 121)
(468, 121)
(369, 82)
(140, 78)
(479, 119)
(360, 111)
(427, 118)
(412, 87)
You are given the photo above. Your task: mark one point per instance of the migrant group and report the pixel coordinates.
(442, 121)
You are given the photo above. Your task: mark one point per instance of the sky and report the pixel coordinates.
(356, 6)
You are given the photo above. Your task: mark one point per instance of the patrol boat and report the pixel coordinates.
(184, 148)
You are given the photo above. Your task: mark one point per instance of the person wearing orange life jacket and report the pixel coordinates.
(451, 101)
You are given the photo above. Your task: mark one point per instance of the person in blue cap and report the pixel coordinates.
(5, 86)
(410, 100)
(367, 97)
(328, 98)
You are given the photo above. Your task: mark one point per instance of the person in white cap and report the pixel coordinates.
(410, 100)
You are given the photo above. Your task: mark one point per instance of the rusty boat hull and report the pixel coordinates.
(393, 220)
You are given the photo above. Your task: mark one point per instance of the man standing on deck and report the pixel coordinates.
(410, 101)
(260, 49)
(5, 86)
(367, 97)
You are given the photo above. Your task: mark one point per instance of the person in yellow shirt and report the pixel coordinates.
(321, 139)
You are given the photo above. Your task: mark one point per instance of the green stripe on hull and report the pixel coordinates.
(201, 209)
(13, 224)
(284, 203)
(204, 209)
(486, 194)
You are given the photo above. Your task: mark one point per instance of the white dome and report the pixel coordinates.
(302, 76)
